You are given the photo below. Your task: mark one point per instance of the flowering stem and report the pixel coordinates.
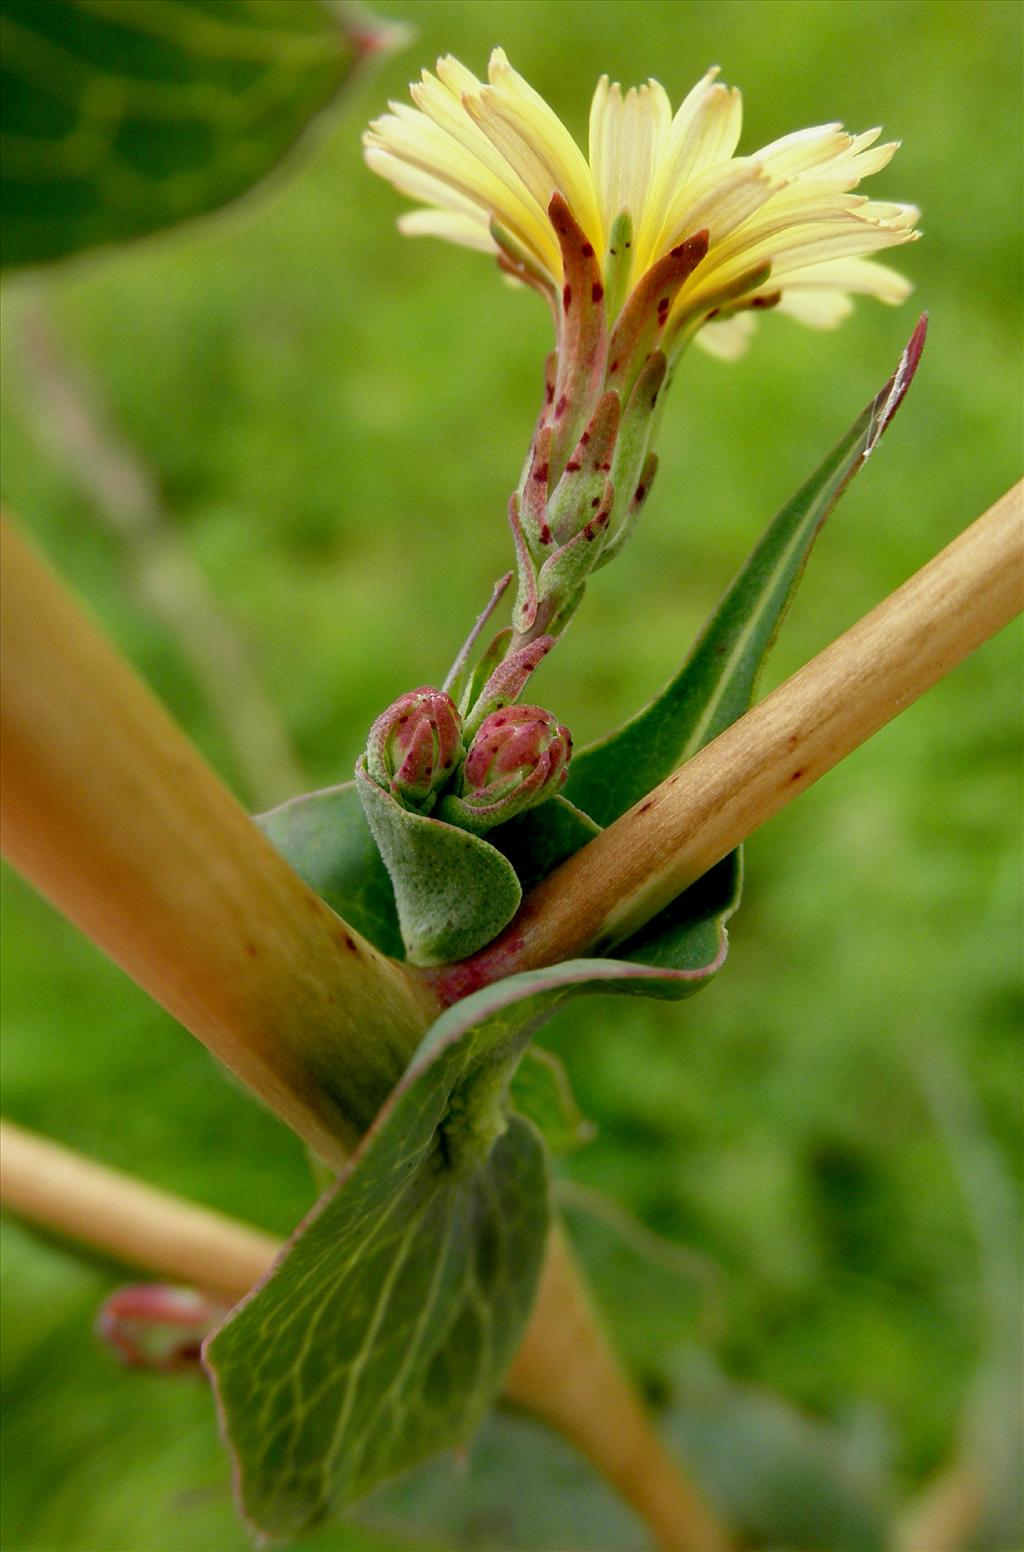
(113, 815)
(699, 814)
(565, 1373)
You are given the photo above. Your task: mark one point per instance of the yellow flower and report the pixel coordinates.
(784, 227)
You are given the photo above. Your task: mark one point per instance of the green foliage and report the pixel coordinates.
(385, 1331)
(785, 1479)
(716, 683)
(453, 891)
(121, 119)
(268, 372)
(326, 839)
(537, 841)
(527, 1488)
(386, 1328)
(541, 1091)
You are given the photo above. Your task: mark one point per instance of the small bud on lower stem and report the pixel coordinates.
(154, 1326)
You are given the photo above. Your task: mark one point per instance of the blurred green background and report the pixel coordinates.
(331, 419)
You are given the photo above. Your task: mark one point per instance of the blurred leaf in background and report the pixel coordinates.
(332, 419)
(122, 118)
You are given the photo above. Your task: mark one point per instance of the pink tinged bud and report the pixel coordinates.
(506, 683)
(153, 1326)
(415, 746)
(519, 758)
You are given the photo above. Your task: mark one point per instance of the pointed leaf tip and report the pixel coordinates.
(895, 390)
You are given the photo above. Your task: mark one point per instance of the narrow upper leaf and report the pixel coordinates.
(716, 683)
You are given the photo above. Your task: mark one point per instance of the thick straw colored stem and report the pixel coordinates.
(565, 1372)
(132, 1222)
(114, 816)
(590, 1403)
(758, 765)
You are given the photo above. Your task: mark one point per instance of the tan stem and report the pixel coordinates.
(132, 1222)
(758, 765)
(947, 1514)
(114, 816)
(565, 1372)
(589, 1402)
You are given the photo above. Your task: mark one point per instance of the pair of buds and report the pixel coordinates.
(516, 758)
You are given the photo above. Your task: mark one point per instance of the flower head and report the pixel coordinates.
(780, 227)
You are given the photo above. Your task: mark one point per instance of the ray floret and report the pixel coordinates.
(785, 227)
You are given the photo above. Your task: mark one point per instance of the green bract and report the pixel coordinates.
(453, 891)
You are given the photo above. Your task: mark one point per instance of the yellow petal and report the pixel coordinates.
(823, 309)
(628, 134)
(863, 276)
(478, 153)
(721, 200)
(727, 338)
(416, 183)
(702, 136)
(440, 98)
(850, 241)
(804, 149)
(535, 143)
(410, 137)
(468, 231)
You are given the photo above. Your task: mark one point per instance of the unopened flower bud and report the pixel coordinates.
(519, 758)
(415, 746)
(153, 1326)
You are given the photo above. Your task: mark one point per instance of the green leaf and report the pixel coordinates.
(538, 840)
(453, 890)
(523, 1487)
(778, 1476)
(716, 683)
(385, 1329)
(121, 119)
(325, 837)
(541, 1091)
(692, 930)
